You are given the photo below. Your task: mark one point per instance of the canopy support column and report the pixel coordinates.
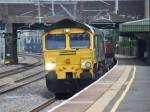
(10, 44)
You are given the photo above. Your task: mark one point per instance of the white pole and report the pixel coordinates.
(116, 6)
(39, 11)
(75, 10)
(53, 13)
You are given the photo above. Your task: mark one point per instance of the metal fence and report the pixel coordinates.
(129, 51)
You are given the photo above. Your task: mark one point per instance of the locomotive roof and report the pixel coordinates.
(68, 23)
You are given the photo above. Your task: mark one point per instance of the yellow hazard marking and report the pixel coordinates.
(116, 105)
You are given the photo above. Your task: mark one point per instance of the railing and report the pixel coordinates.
(129, 51)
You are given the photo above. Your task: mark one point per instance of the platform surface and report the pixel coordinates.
(138, 96)
(104, 94)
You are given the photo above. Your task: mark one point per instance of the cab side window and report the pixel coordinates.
(96, 45)
(99, 45)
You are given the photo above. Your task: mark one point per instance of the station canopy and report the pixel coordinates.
(135, 26)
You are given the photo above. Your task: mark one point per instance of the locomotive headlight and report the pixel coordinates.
(50, 66)
(86, 64)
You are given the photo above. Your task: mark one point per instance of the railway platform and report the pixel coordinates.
(125, 88)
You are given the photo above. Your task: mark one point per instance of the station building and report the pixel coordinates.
(140, 30)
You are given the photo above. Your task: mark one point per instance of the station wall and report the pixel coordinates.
(30, 41)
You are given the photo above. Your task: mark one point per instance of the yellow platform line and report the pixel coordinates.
(118, 102)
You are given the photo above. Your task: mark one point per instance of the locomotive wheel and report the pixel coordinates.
(105, 69)
(47, 84)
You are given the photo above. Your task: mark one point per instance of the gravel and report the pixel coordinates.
(25, 98)
(28, 97)
(28, 60)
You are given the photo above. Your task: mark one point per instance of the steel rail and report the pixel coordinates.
(21, 69)
(44, 105)
(21, 82)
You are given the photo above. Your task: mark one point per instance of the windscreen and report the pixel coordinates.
(79, 40)
(55, 41)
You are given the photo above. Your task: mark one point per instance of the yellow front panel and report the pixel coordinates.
(68, 60)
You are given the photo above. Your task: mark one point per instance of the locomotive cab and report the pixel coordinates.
(70, 51)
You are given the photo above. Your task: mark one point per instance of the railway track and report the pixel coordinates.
(21, 69)
(44, 105)
(21, 81)
(20, 60)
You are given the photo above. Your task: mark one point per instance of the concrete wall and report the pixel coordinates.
(147, 8)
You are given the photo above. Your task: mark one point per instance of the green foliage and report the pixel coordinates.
(125, 42)
(115, 35)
